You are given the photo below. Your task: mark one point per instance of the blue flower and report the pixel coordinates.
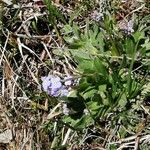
(126, 26)
(55, 82)
(64, 92)
(130, 26)
(96, 16)
(53, 86)
(54, 92)
(46, 82)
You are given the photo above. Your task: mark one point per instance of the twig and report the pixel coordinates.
(8, 2)
(134, 11)
(126, 145)
(137, 143)
(48, 54)
(66, 137)
(20, 45)
(146, 110)
(4, 48)
(53, 111)
(30, 18)
(32, 37)
(125, 140)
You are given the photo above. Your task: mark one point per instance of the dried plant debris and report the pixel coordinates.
(6, 136)
(74, 75)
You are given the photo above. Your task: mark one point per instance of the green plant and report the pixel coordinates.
(54, 15)
(106, 63)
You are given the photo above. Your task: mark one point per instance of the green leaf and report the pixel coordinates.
(86, 66)
(80, 54)
(146, 44)
(73, 93)
(67, 29)
(78, 124)
(83, 84)
(122, 100)
(54, 13)
(129, 47)
(84, 122)
(89, 93)
(102, 88)
(76, 30)
(138, 36)
(112, 147)
(100, 67)
(124, 62)
(93, 107)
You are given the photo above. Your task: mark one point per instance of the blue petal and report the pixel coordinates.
(64, 92)
(46, 83)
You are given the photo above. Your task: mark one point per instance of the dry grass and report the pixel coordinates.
(22, 60)
(25, 56)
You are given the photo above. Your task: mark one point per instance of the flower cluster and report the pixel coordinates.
(96, 16)
(55, 87)
(126, 26)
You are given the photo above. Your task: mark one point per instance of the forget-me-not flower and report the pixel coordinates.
(127, 26)
(54, 87)
(46, 82)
